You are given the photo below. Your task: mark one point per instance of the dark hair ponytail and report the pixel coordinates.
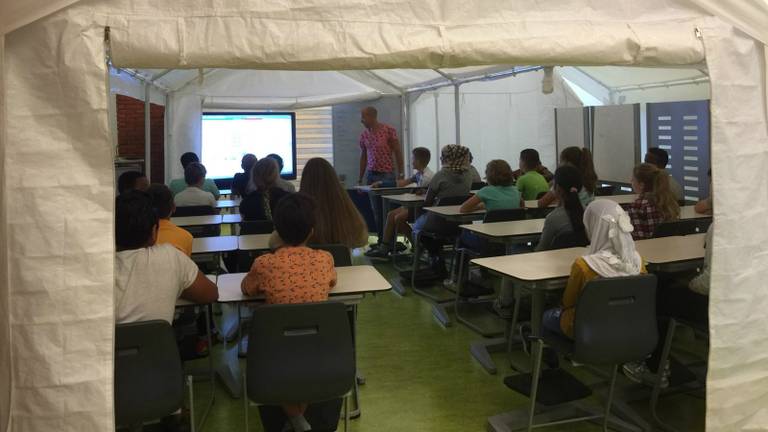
(581, 158)
(568, 180)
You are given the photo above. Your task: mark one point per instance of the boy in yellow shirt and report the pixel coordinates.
(168, 232)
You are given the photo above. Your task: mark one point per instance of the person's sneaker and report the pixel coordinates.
(639, 372)
(401, 247)
(381, 252)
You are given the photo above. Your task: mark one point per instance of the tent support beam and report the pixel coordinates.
(486, 77)
(663, 84)
(457, 111)
(133, 74)
(147, 134)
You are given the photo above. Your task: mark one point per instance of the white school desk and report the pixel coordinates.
(186, 221)
(225, 191)
(406, 199)
(352, 283)
(253, 242)
(672, 254)
(231, 218)
(387, 190)
(619, 199)
(689, 212)
(219, 244)
(226, 204)
(452, 213)
(510, 231)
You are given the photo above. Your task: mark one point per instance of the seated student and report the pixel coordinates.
(581, 158)
(178, 185)
(293, 273)
(660, 158)
(194, 195)
(131, 180)
(499, 194)
(475, 175)
(240, 180)
(569, 214)
(686, 299)
(149, 277)
(337, 219)
(282, 183)
(531, 183)
(611, 254)
(655, 203)
(168, 232)
(258, 204)
(397, 219)
(453, 179)
(541, 169)
(704, 206)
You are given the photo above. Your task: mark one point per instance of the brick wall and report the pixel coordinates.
(130, 133)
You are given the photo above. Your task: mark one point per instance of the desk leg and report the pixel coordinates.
(355, 413)
(229, 371)
(211, 371)
(481, 350)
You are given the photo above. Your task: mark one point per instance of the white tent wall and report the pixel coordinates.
(5, 311)
(499, 118)
(58, 175)
(55, 82)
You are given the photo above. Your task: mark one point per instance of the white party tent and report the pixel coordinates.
(57, 249)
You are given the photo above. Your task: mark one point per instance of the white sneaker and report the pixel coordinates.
(638, 372)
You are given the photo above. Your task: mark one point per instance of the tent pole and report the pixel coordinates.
(437, 130)
(147, 134)
(457, 111)
(405, 143)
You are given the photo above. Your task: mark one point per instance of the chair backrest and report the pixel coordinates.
(505, 215)
(538, 212)
(605, 190)
(616, 320)
(570, 239)
(149, 379)
(299, 353)
(478, 185)
(256, 227)
(677, 228)
(451, 200)
(540, 195)
(342, 256)
(194, 211)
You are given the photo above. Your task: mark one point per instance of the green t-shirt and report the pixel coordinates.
(531, 184)
(499, 197)
(178, 185)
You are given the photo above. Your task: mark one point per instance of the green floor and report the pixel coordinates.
(421, 377)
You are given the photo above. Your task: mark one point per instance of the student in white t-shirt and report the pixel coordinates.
(149, 278)
(194, 195)
(397, 219)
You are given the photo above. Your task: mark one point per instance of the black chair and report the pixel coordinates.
(538, 212)
(677, 228)
(299, 353)
(194, 211)
(149, 377)
(570, 239)
(256, 227)
(615, 323)
(447, 234)
(540, 195)
(605, 190)
(342, 257)
(505, 215)
(478, 185)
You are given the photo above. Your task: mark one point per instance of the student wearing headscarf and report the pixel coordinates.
(453, 179)
(611, 254)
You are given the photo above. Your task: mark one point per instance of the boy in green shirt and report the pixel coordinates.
(178, 185)
(531, 183)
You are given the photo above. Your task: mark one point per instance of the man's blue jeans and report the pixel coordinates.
(376, 201)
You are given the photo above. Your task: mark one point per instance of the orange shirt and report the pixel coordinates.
(180, 238)
(292, 275)
(581, 273)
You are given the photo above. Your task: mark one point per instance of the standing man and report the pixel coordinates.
(377, 144)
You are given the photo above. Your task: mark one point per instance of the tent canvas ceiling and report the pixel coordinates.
(57, 324)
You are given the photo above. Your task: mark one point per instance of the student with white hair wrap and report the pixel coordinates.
(611, 253)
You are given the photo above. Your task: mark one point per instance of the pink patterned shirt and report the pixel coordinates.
(377, 143)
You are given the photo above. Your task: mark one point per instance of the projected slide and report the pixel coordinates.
(229, 136)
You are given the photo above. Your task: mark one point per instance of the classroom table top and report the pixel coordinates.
(225, 191)
(227, 203)
(453, 211)
(507, 229)
(406, 198)
(534, 266)
(253, 242)
(689, 212)
(666, 250)
(196, 220)
(387, 190)
(214, 244)
(231, 218)
(619, 199)
(352, 280)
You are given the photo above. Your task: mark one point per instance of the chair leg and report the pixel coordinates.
(416, 258)
(515, 318)
(535, 383)
(609, 401)
(460, 280)
(246, 402)
(190, 383)
(346, 413)
(665, 352)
